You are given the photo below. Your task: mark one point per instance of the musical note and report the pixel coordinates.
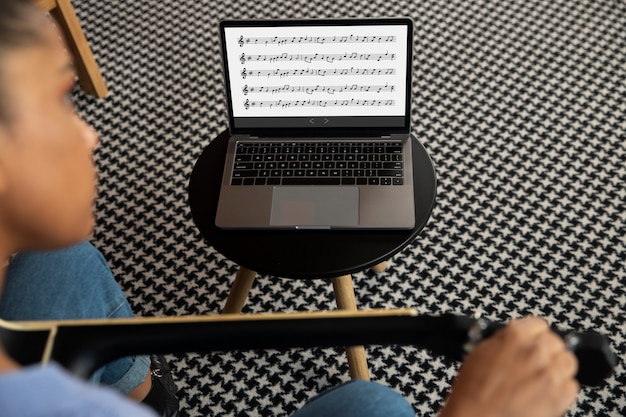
(241, 41)
(242, 58)
(246, 104)
(245, 89)
(243, 74)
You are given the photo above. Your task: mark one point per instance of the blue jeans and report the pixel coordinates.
(72, 283)
(357, 399)
(76, 283)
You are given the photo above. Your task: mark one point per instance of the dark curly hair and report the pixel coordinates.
(20, 26)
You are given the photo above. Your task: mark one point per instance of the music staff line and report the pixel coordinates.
(317, 72)
(315, 103)
(351, 56)
(312, 89)
(278, 40)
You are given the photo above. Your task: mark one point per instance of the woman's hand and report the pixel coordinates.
(523, 370)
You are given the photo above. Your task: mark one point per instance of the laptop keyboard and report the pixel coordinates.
(314, 163)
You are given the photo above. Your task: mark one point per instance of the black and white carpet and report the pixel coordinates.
(520, 103)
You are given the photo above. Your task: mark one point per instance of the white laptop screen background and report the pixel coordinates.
(317, 71)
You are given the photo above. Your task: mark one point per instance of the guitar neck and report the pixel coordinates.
(85, 345)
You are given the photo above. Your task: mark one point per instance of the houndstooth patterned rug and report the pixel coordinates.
(521, 105)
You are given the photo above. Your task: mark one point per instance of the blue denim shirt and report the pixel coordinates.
(38, 391)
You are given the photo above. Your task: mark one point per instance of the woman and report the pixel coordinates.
(47, 195)
(47, 192)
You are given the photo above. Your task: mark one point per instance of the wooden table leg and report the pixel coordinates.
(88, 72)
(239, 291)
(380, 267)
(344, 295)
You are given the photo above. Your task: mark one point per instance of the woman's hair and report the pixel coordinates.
(20, 27)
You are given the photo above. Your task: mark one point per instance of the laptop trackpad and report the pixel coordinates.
(315, 206)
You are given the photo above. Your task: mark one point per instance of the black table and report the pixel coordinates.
(302, 253)
(333, 254)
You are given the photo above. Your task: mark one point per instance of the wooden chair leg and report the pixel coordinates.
(89, 75)
(380, 267)
(239, 291)
(344, 295)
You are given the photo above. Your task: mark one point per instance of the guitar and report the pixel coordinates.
(82, 346)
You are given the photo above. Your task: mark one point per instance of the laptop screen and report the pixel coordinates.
(325, 76)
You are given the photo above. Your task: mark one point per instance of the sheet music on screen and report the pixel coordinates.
(316, 71)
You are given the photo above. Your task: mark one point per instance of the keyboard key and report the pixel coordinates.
(244, 165)
(389, 173)
(311, 181)
(245, 173)
(392, 165)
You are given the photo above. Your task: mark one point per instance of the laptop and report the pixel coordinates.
(319, 117)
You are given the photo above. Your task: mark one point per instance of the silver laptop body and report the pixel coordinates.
(319, 114)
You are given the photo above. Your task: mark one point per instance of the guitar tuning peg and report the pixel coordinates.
(476, 333)
(572, 340)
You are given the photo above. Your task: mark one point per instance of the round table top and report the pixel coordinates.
(302, 253)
